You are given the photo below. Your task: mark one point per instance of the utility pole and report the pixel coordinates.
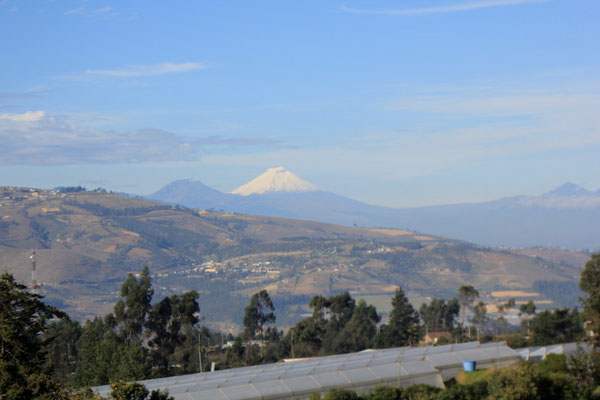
(293, 333)
(200, 351)
(34, 284)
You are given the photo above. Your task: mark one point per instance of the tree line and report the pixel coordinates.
(43, 351)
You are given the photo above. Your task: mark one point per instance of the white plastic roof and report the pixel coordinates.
(539, 353)
(359, 371)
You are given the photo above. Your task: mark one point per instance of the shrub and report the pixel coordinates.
(128, 391)
(339, 394)
(421, 392)
(385, 393)
(474, 391)
(518, 383)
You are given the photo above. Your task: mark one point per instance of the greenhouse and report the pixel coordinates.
(297, 379)
(540, 353)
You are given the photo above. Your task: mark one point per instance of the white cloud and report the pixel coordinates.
(148, 70)
(103, 10)
(75, 11)
(100, 12)
(442, 9)
(29, 116)
(35, 138)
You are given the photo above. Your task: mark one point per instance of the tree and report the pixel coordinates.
(139, 341)
(502, 308)
(403, 328)
(136, 391)
(340, 309)
(105, 357)
(88, 371)
(23, 319)
(438, 315)
(466, 297)
(358, 332)
(310, 332)
(337, 325)
(305, 339)
(131, 311)
(258, 313)
(170, 329)
(163, 336)
(479, 316)
(60, 345)
(113, 349)
(590, 284)
(529, 311)
(559, 326)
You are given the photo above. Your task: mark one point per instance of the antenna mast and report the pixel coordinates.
(34, 284)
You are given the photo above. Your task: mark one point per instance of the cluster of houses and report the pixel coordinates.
(19, 194)
(264, 269)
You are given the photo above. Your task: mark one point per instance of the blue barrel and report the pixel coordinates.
(469, 366)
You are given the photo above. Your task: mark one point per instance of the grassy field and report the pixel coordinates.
(468, 378)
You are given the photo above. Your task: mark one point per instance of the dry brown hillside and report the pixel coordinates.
(87, 242)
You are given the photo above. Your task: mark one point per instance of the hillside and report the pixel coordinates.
(86, 243)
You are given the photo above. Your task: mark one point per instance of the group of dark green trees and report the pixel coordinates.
(40, 345)
(140, 339)
(23, 319)
(42, 351)
(337, 324)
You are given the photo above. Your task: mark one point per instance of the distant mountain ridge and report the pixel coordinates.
(189, 191)
(568, 216)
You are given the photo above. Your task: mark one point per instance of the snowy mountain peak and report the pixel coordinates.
(568, 195)
(275, 180)
(569, 189)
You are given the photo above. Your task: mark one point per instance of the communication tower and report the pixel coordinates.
(34, 284)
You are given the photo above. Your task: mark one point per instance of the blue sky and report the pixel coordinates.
(397, 103)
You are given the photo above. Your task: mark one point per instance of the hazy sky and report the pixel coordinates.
(397, 103)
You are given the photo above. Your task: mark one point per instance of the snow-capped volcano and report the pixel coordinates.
(275, 180)
(568, 195)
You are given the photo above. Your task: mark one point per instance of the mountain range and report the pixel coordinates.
(568, 216)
